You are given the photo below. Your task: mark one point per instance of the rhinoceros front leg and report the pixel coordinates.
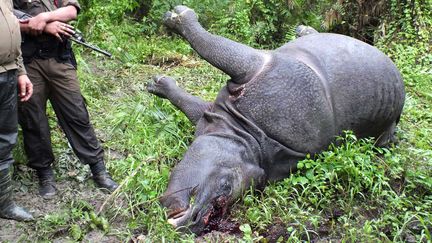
(192, 106)
(239, 61)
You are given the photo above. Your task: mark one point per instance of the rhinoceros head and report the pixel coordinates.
(211, 176)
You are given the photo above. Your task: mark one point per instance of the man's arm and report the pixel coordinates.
(37, 24)
(63, 14)
(25, 87)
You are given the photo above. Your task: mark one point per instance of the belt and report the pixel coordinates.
(47, 53)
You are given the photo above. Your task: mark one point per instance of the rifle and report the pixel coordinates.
(77, 37)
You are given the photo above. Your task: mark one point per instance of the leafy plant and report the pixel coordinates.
(350, 192)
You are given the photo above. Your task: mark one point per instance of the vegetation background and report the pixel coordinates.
(355, 192)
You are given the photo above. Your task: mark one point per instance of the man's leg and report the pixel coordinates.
(36, 130)
(8, 134)
(73, 117)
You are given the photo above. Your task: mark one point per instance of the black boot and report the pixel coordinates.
(101, 177)
(8, 208)
(47, 188)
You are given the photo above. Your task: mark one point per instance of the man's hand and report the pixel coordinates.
(24, 26)
(58, 28)
(23, 21)
(37, 24)
(25, 88)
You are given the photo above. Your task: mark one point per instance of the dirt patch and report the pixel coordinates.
(280, 231)
(226, 225)
(276, 232)
(216, 236)
(397, 184)
(173, 61)
(69, 191)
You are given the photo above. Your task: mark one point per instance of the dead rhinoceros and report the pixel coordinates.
(278, 106)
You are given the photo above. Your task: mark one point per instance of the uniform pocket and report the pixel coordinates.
(3, 78)
(8, 90)
(70, 66)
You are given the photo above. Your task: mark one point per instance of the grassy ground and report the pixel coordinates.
(351, 193)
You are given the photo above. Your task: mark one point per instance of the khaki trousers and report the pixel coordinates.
(58, 83)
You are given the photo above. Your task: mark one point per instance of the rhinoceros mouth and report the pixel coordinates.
(203, 219)
(175, 217)
(177, 213)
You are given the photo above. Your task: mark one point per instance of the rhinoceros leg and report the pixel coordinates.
(192, 106)
(239, 61)
(303, 30)
(387, 137)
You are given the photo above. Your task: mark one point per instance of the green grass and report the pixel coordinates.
(350, 193)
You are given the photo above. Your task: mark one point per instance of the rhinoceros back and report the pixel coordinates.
(321, 84)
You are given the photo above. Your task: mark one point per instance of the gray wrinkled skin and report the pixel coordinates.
(278, 106)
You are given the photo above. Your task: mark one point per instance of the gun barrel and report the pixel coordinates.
(92, 47)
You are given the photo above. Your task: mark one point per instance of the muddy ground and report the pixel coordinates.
(70, 189)
(75, 186)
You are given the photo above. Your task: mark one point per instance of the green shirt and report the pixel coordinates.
(35, 7)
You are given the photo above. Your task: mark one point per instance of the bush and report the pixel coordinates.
(261, 23)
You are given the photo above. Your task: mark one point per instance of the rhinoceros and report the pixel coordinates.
(277, 107)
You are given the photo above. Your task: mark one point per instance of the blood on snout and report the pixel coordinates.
(217, 210)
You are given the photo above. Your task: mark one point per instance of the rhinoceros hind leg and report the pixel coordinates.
(178, 17)
(387, 137)
(166, 87)
(239, 61)
(303, 30)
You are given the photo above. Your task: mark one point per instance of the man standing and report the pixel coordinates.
(11, 66)
(51, 66)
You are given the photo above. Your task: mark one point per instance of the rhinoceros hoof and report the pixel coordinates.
(161, 85)
(179, 16)
(303, 30)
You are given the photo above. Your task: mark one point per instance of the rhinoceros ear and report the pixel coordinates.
(253, 175)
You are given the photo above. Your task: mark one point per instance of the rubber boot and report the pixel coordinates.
(47, 188)
(101, 177)
(8, 208)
